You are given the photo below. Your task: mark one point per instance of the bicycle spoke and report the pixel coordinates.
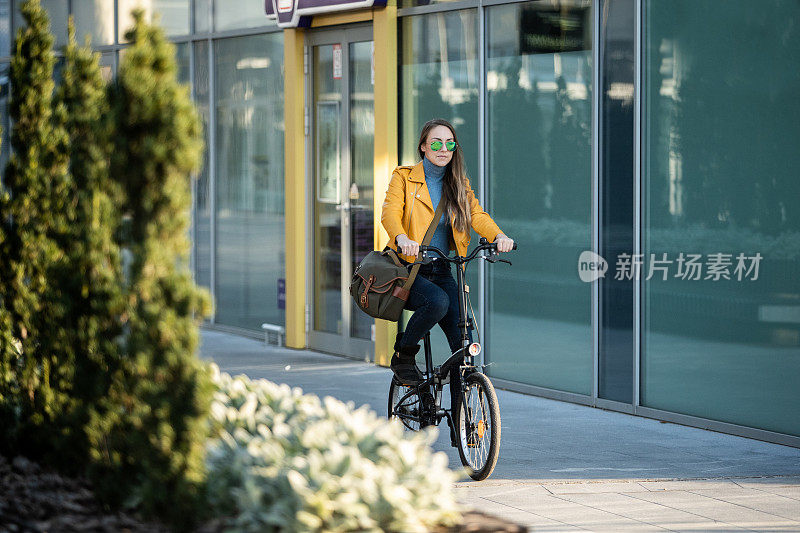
(477, 426)
(407, 408)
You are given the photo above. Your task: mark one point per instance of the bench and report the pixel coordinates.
(279, 331)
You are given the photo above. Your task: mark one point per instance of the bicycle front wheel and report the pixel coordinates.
(478, 426)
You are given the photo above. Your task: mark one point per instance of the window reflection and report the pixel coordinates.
(249, 179)
(439, 78)
(5, 121)
(202, 204)
(95, 18)
(173, 15)
(720, 175)
(5, 28)
(235, 14)
(539, 173)
(202, 16)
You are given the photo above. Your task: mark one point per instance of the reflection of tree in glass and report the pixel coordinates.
(516, 148)
(570, 155)
(429, 103)
(736, 121)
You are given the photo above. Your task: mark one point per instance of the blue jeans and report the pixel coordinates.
(434, 300)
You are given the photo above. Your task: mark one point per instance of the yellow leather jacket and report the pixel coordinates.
(408, 209)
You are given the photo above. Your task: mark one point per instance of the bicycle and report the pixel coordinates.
(476, 422)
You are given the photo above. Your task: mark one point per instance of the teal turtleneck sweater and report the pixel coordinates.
(434, 177)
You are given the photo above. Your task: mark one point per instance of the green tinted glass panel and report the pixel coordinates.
(249, 180)
(720, 176)
(5, 121)
(327, 190)
(539, 79)
(202, 16)
(362, 170)
(94, 18)
(235, 14)
(173, 15)
(5, 28)
(202, 203)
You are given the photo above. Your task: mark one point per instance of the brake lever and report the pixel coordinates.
(504, 261)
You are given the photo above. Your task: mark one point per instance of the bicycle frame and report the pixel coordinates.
(434, 376)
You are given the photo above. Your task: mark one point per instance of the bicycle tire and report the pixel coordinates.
(478, 453)
(410, 408)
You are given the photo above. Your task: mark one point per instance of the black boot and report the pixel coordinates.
(404, 365)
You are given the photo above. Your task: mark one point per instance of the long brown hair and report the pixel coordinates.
(454, 189)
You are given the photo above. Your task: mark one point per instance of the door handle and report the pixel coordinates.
(342, 207)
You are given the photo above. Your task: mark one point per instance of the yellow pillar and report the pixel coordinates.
(294, 187)
(384, 30)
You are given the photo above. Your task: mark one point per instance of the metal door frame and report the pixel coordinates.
(323, 341)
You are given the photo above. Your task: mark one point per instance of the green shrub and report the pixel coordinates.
(282, 460)
(85, 285)
(149, 434)
(37, 212)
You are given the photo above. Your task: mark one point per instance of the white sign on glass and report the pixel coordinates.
(337, 61)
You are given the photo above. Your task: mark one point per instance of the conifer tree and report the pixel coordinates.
(36, 213)
(87, 282)
(154, 444)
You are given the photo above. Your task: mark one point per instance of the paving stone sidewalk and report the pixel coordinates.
(567, 467)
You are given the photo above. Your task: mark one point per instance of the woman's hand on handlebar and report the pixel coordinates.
(504, 244)
(407, 246)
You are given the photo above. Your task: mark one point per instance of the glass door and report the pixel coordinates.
(340, 140)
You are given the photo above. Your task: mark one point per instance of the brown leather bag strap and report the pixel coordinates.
(428, 236)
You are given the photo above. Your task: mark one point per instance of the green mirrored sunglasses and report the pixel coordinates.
(437, 145)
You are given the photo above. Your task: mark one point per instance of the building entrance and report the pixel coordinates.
(339, 151)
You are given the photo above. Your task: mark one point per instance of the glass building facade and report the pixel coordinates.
(659, 134)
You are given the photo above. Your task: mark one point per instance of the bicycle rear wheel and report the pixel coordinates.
(405, 405)
(478, 427)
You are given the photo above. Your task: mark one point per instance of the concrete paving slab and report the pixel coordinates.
(464, 491)
(593, 488)
(530, 520)
(563, 509)
(712, 508)
(768, 503)
(787, 492)
(689, 484)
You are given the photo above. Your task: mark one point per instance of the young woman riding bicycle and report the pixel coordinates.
(412, 197)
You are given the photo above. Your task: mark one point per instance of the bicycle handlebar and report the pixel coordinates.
(484, 245)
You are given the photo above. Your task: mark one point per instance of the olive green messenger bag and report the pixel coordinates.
(381, 283)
